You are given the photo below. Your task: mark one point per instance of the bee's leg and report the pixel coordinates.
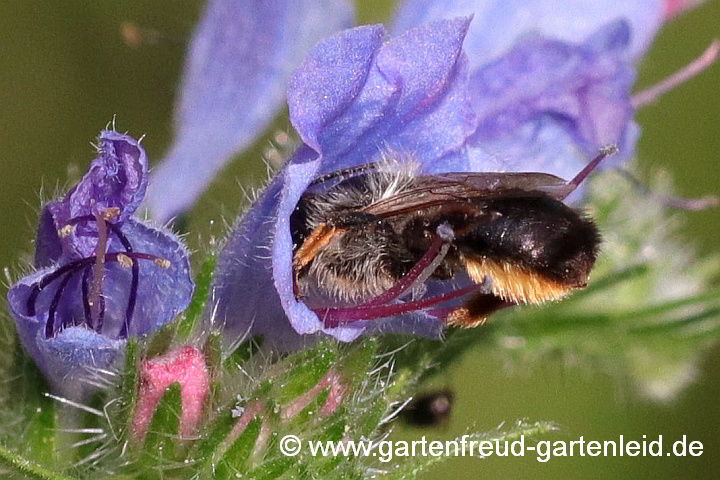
(334, 317)
(345, 173)
(476, 310)
(422, 270)
(316, 241)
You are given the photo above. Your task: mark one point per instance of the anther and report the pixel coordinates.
(125, 261)
(65, 231)
(163, 263)
(110, 214)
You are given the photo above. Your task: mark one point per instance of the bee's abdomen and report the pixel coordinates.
(535, 248)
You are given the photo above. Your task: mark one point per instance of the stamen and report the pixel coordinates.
(604, 152)
(132, 296)
(65, 231)
(110, 214)
(50, 325)
(649, 95)
(163, 263)
(86, 302)
(681, 203)
(125, 261)
(334, 317)
(87, 264)
(93, 301)
(96, 288)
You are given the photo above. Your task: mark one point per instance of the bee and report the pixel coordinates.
(365, 238)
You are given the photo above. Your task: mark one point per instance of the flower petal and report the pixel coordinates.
(548, 105)
(498, 24)
(161, 293)
(407, 95)
(235, 80)
(67, 358)
(163, 290)
(117, 178)
(246, 300)
(352, 101)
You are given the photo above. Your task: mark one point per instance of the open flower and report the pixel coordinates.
(355, 99)
(539, 104)
(102, 275)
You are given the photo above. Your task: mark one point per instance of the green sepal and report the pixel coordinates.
(160, 442)
(28, 469)
(122, 411)
(160, 341)
(271, 469)
(188, 323)
(236, 459)
(29, 402)
(212, 351)
(304, 370)
(244, 352)
(309, 413)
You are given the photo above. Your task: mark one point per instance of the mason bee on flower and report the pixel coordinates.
(368, 237)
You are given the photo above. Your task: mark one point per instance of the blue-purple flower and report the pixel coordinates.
(101, 276)
(517, 98)
(234, 83)
(243, 52)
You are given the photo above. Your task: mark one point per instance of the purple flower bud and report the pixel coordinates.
(103, 276)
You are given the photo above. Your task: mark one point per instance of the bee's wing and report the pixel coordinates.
(490, 183)
(443, 189)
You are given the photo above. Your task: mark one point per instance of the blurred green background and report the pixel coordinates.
(66, 71)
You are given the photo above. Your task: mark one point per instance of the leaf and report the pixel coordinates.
(414, 465)
(29, 469)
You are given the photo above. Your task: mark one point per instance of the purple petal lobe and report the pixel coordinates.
(117, 178)
(247, 301)
(546, 102)
(412, 98)
(498, 24)
(297, 177)
(236, 74)
(330, 79)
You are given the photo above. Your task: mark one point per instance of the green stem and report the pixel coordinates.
(22, 465)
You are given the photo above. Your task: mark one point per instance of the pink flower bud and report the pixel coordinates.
(186, 366)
